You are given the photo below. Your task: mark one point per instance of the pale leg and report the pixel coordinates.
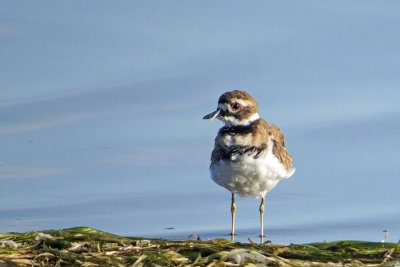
(262, 217)
(233, 211)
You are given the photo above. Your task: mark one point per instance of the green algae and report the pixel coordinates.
(84, 246)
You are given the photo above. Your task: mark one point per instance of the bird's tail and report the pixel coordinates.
(290, 172)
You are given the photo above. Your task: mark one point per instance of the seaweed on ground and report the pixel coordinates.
(83, 246)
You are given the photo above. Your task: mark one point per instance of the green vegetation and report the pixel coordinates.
(84, 246)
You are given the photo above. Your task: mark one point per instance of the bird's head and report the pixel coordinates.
(235, 108)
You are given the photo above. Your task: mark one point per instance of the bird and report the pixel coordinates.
(386, 236)
(249, 156)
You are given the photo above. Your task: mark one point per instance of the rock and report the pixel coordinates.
(244, 256)
(42, 236)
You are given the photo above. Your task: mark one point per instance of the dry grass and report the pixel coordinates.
(89, 247)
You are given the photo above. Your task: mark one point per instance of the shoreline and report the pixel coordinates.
(84, 246)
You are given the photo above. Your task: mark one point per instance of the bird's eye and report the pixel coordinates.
(235, 106)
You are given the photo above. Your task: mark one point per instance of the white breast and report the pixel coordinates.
(248, 176)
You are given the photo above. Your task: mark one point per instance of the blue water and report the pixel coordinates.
(135, 187)
(100, 116)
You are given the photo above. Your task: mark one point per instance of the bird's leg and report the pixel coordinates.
(233, 210)
(262, 218)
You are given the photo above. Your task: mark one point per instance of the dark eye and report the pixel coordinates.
(235, 106)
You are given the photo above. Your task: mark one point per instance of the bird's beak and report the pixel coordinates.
(212, 115)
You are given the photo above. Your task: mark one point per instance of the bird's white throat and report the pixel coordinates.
(232, 121)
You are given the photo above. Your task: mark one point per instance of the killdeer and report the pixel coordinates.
(249, 156)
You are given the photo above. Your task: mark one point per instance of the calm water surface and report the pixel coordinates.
(100, 116)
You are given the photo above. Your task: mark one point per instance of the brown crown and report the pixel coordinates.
(226, 97)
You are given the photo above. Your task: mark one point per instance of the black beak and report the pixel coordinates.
(212, 115)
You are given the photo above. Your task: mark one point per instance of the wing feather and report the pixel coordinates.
(279, 149)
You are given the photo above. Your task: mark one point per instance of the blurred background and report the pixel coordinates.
(101, 105)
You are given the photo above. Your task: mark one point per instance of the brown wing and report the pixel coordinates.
(282, 154)
(279, 149)
(276, 134)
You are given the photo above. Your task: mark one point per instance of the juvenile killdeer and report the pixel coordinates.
(249, 156)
